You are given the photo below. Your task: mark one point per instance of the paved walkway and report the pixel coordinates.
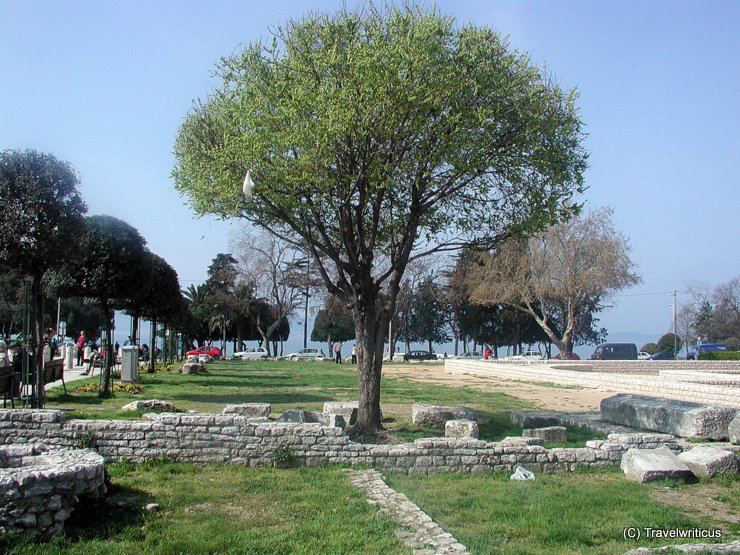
(72, 374)
(418, 531)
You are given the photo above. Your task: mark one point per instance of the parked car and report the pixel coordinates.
(562, 356)
(470, 355)
(662, 356)
(642, 355)
(306, 354)
(419, 355)
(251, 353)
(615, 351)
(528, 356)
(705, 348)
(210, 350)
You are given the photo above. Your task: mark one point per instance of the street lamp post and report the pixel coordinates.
(675, 339)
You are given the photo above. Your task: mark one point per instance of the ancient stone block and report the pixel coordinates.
(436, 416)
(461, 428)
(259, 410)
(151, 404)
(192, 368)
(679, 418)
(709, 461)
(646, 465)
(733, 431)
(348, 409)
(550, 434)
(535, 419)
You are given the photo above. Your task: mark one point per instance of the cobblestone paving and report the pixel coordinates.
(418, 530)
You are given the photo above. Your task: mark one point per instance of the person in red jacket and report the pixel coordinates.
(81, 343)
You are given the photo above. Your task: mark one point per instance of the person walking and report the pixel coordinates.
(337, 352)
(81, 343)
(354, 354)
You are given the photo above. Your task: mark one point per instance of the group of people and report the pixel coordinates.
(336, 349)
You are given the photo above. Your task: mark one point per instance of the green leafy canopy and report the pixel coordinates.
(361, 127)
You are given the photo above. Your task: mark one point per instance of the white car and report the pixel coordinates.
(528, 356)
(642, 355)
(251, 353)
(470, 355)
(306, 354)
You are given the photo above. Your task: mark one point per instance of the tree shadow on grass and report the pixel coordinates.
(272, 398)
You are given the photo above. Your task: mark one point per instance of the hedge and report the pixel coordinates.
(725, 355)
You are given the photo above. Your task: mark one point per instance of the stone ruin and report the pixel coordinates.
(39, 489)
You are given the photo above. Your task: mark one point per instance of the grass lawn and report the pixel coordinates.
(230, 509)
(222, 509)
(583, 512)
(295, 385)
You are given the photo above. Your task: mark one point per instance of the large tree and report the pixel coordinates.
(111, 263)
(557, 276)
(42, 216)
(376, 137)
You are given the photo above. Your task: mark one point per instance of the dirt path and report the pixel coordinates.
(543, 396)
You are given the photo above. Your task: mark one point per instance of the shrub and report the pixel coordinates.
(649, 348)
(726, 355)
(733, 343)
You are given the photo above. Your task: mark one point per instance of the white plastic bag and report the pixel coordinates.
(521, 473)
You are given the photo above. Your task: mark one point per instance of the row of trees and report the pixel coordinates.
(46, 240)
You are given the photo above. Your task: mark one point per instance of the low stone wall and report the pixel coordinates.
(40, 489)
(617, 382)
(203, 438)
(648, 366)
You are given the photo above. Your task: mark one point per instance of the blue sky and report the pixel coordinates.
(104, 85)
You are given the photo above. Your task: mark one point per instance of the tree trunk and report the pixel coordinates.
(370, 333)
(37, 346)
(106, 392)
(152, 347)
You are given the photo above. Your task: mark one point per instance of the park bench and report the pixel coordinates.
(54, 371)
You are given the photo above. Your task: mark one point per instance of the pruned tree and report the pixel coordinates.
(377, 137)
(110, 262)
(42, 216)
(163, 300)
(553, 275)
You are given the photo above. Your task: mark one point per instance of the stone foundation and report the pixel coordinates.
(40, 488)
(681, 418)
(203, 438)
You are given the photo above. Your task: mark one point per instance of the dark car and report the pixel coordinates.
(419, 355)
(210, 350)
(615, 351)
(662, 356)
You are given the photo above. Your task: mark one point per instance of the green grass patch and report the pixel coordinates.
(297, 385)
(225, 510)
(584, 512)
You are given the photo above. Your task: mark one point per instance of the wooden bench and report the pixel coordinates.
(54, 371)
